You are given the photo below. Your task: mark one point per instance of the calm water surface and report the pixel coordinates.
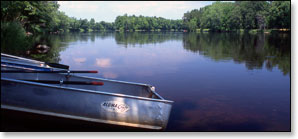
(218, 81)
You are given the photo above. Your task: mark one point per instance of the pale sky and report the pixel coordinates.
(109, 10)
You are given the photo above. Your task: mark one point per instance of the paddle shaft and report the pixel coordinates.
(32, 71)
(67, 82)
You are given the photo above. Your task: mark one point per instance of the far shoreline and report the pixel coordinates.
(251, 31)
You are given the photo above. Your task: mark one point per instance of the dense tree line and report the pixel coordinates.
(44, 16)
(133, 23)
(22, 21)
(228, 16)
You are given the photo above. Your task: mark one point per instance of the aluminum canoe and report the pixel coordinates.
(116, 102)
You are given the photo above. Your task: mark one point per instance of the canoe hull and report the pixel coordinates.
(87, 105)
(32, 122)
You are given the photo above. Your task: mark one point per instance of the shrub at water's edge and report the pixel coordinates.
(13, 36)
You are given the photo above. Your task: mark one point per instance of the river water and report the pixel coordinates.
(218, 81)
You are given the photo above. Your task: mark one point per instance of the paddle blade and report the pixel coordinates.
(97, 83)
(93, 71)
(56, 65)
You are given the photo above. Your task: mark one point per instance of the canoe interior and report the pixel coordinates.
(110, 86)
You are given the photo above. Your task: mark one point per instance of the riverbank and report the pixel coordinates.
(176, 30)
(249, 30)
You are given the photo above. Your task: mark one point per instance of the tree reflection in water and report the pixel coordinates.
(255, 50)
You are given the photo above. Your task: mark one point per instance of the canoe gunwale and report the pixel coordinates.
(31, 66)
(125, 82)
(21, 58)
(89, 91)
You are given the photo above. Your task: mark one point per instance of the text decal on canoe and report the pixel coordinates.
(114, 106)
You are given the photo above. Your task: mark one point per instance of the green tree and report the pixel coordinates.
(192, 25)
(34, 16)
(279, 14)
(92, 23)
(251, 11)
(84, 24)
